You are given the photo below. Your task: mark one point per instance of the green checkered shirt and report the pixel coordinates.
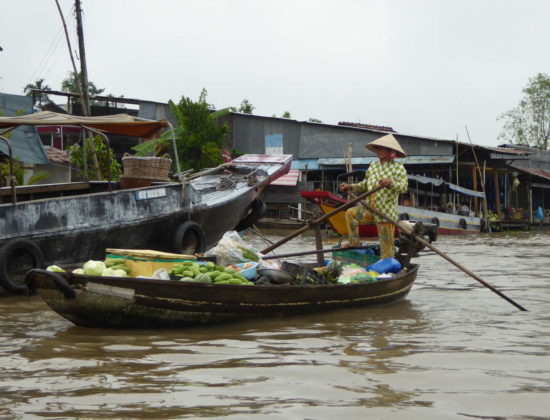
(386, 199)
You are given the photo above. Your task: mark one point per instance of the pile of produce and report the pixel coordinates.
(107, 268)
(208, 273)
(239, 264)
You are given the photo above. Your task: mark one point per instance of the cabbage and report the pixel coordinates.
(108, 272)
(119, 273)
(78, 271)
(94, 268)
(55, 269)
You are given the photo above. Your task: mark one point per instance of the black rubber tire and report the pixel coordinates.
(256, 211)
(9, 252)
(404, 216)
(56, 279)
(482, 225)
(189, 239)
(462, 223)
(435, 221)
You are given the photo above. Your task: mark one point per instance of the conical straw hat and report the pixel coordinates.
(388, 141)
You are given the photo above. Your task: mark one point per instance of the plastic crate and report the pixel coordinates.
(361, 257)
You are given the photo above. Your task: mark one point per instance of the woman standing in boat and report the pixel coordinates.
(392, 176)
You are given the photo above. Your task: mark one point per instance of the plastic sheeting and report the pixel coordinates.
(436, 182)
(25, 141)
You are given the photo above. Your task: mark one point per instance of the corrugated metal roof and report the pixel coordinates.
(508, 156)
(537, 172)
(409, 160)
(367, 126)
(305, 164)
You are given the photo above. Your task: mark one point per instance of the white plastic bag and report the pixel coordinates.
(349, 271)
(232, 249)
(161, 274)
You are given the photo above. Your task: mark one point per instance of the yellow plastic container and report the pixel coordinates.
(144, 262)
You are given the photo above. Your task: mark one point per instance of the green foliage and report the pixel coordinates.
(286, 114)
(74, 80)
(18, 113)
(5, 171)
(102, 153)
(235, 153)
(314, 120)
(529, 122)
(38, 85)
(199, 139)
(37, 176)
(246, 107)
(19, 173)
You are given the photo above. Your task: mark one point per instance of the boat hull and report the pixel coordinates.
(73, 228)
(110, 302)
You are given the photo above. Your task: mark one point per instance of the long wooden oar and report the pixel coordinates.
(437, 251)
(315, 251)
(319, 220)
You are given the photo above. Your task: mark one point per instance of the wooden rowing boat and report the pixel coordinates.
(117, 302)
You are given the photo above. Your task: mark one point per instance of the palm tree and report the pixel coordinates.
(39, 96)
(71, 84)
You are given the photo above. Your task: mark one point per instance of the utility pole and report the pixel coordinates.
(84, 79)
(83, 70)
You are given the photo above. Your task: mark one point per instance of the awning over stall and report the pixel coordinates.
(436, 182)
(288, 180)
(121, 124)
(365, 161)
(333, 163)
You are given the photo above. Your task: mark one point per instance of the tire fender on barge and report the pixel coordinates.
(16, 256)
(189, 238)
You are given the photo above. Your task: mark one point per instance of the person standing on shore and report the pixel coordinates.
(393, 177)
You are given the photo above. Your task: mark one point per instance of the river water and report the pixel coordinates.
(452, 349)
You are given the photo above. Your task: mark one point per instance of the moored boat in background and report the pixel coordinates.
(62, 223)
(422, 204)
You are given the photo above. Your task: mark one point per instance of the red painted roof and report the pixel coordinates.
(56, 155)
(288, 180)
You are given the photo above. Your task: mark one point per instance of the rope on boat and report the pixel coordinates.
(225, 184)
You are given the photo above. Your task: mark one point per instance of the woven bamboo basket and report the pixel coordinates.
(146, 167)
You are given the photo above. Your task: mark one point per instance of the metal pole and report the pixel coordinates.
(11, 177)
(82, 52)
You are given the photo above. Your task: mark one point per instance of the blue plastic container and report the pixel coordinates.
(539, 215)
(249, 273)
(386, 265)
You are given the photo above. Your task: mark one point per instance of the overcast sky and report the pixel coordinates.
(424, 67)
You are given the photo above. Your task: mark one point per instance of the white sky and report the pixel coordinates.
(424, 67)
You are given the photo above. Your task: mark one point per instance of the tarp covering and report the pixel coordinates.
(438, 182)
(121, 124)
(26, 143)
(426, 180)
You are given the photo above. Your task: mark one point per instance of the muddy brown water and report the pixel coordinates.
(451, 349)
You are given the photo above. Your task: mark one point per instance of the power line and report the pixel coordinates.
(48, 55)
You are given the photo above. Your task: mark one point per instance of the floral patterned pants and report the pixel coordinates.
(360, 215)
